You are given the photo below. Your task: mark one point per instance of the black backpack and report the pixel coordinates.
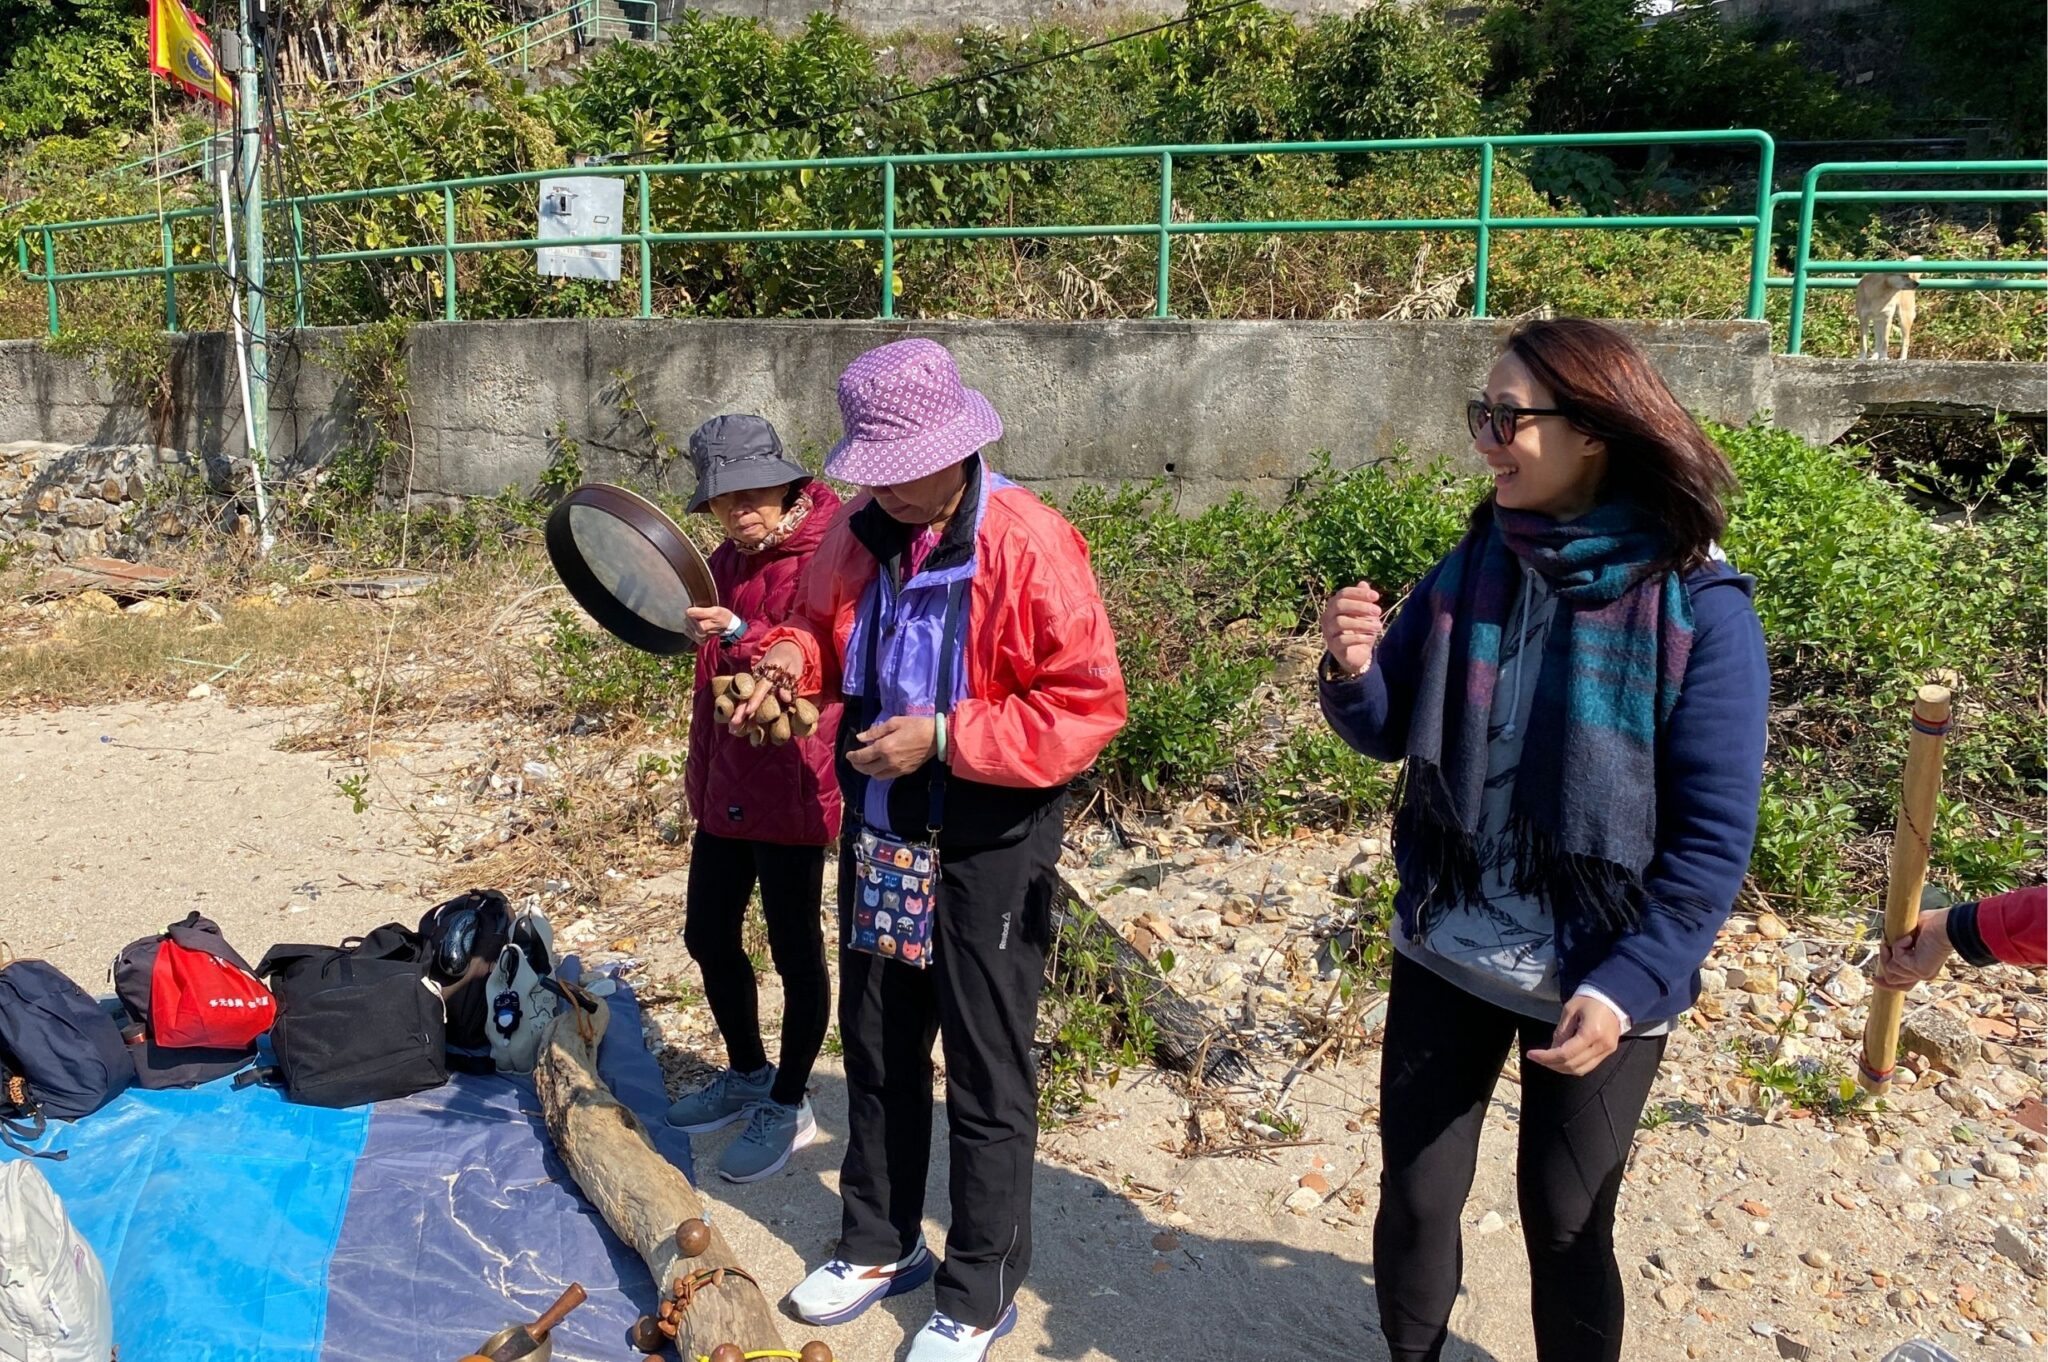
(162, 1066)
(60, 1053)
(356, 1023)
(463, 938)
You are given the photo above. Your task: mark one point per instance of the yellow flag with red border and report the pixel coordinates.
(179, 52)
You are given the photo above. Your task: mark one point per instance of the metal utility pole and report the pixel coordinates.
(251, 320)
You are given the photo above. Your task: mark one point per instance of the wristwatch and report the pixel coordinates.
(1329, 671)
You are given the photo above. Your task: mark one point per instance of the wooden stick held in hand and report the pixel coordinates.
(1911, 846)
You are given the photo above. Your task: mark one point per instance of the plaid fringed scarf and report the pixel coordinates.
(1585, 799)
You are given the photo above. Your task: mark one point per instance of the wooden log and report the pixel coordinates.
(1911, 846)
(1187, 1039)
(643, 1197)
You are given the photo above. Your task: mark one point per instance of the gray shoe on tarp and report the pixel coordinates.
(722, 1101)
(773, 1133)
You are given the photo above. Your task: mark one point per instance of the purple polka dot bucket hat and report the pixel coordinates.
(907, 415)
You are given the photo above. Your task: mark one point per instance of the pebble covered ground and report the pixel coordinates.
(1759, 1217)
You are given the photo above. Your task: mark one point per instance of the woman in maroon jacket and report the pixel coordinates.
(764, 814)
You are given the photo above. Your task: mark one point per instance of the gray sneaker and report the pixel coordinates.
(773, 1133)
(722, 1101)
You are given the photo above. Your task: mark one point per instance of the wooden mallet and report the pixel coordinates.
(1911, 846)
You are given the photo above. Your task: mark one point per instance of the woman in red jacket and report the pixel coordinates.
(764, 814)
(957, 613)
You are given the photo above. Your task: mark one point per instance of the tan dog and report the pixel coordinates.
(1881, 298)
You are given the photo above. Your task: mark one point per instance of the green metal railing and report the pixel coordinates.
(1808, 273)
(580, 19)
(888, 233)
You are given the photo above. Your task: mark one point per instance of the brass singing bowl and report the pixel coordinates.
(541, 1351)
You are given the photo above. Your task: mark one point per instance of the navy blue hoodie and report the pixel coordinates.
(1710, 759)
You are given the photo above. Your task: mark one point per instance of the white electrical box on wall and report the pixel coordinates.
(581, 206)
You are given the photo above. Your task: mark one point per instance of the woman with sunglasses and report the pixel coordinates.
(1578, 691)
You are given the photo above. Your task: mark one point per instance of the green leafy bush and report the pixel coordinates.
(1862, 596)
(731, 89)
(595, 674)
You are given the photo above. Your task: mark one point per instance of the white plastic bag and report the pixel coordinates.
(53, 1292)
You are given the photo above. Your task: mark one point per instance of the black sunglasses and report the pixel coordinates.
(1501, 417)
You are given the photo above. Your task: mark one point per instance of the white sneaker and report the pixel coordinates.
(945, 1339)
(840, 1290)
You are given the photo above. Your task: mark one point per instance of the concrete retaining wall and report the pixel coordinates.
(1212, 407)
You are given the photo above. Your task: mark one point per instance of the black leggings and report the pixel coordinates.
(722, 875)
(1443, 1051)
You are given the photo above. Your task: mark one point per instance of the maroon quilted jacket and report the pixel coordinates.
(785, 794)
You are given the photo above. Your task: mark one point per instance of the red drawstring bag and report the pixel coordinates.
(199, 999)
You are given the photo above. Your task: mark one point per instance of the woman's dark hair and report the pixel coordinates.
(792, 493)
(1657, 455)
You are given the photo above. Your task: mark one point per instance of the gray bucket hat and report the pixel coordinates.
(738, 454)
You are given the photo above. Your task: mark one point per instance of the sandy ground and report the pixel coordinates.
(116, 820)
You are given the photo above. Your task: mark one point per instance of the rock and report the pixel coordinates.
(1204, 924)
(1730, 1279)
(1771, 927)
(1224, 973)
(2000, 1165)
(1302, 1201)
(1795, 953)
(1897, 1181)
(1248, 944)
(1156, 923)
(1142, 941)
(92, 603)
(1847, 986)
(1316, 1183)
(1491, 1223)
(1941, 1037)
(1788, 991)
(1818, 1258)
(1950, 1197)
(2020, 1250)
(1920, 1161)
(199, 692)
(1712, 981)
(1960, 1098)
(1674, 1298)
(1734, 976)
(1918, 1212)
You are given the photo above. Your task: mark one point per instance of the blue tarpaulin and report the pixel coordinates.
(235, 1225)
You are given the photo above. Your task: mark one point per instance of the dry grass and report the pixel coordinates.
(268, 632)
(279, 652)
